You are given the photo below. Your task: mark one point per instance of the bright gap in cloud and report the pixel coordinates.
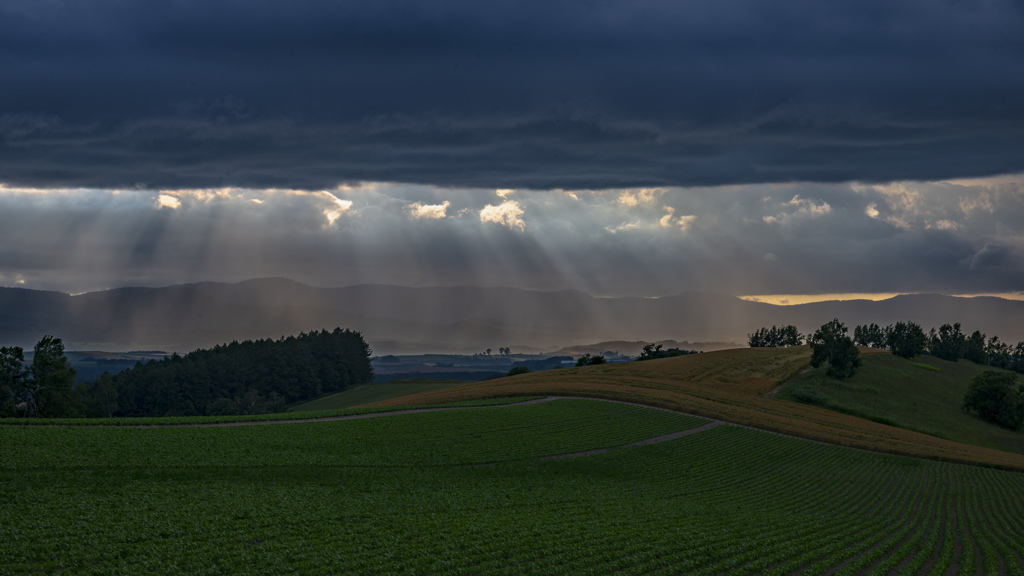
(836, 241)
(795, 299)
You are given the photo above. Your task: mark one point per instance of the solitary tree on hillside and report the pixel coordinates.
(516, 370)
(996, 397)
(831, 344)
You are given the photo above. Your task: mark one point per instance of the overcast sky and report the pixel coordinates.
(627, 147)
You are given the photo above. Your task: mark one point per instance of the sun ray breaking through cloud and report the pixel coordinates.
(961, 237)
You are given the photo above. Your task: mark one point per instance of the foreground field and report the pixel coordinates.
(730, 385)
(922, 394)
(476, 491)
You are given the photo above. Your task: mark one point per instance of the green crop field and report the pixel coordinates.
(369, 393)
(474, 491)
(923, 394)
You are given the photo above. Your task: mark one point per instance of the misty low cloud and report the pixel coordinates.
(956, 237)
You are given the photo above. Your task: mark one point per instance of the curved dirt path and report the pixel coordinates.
(644, 442)
(307, 420)
(362, 416)
(712, 423)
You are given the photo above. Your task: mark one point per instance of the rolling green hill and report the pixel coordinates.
(730, 385)
(923, 394)
(509, 490)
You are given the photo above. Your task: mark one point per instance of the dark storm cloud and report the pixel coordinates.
(544, 95)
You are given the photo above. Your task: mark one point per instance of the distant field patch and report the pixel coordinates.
(373, 393)
(472, 492)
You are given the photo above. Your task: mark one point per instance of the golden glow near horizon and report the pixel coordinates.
(795, 299)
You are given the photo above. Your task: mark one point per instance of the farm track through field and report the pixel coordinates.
(644, 442)
(733, 386)
(712, 424)
(405, 496)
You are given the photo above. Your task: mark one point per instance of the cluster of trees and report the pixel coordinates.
(949, 342)
(516, 370)
(502, 351)
(654, 351)
(996, 397)
(907, 339)
(588, 360)
(250, 377)
(830, 345)
(781, 337)
(43, 388)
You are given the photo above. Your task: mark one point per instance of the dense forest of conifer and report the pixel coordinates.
(244, 377)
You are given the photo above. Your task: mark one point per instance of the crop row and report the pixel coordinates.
(396, 496)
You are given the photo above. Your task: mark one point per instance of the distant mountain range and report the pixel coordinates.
(397, 319)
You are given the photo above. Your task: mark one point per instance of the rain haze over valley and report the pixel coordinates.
(460, 175)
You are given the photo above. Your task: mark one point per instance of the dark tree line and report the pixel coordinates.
(994, 395)
(949, 342)
(222, 379)
(781, 337)
(654, 351)
(905, 339)
(588, 360)
(249, 377)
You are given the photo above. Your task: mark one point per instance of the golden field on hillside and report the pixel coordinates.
(729, 385)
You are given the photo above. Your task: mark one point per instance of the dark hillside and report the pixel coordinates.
(430, 319)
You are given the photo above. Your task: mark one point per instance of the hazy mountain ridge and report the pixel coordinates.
(184, 317)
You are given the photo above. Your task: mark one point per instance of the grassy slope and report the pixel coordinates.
(371, 393)
(729, 385)
(911, 395)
